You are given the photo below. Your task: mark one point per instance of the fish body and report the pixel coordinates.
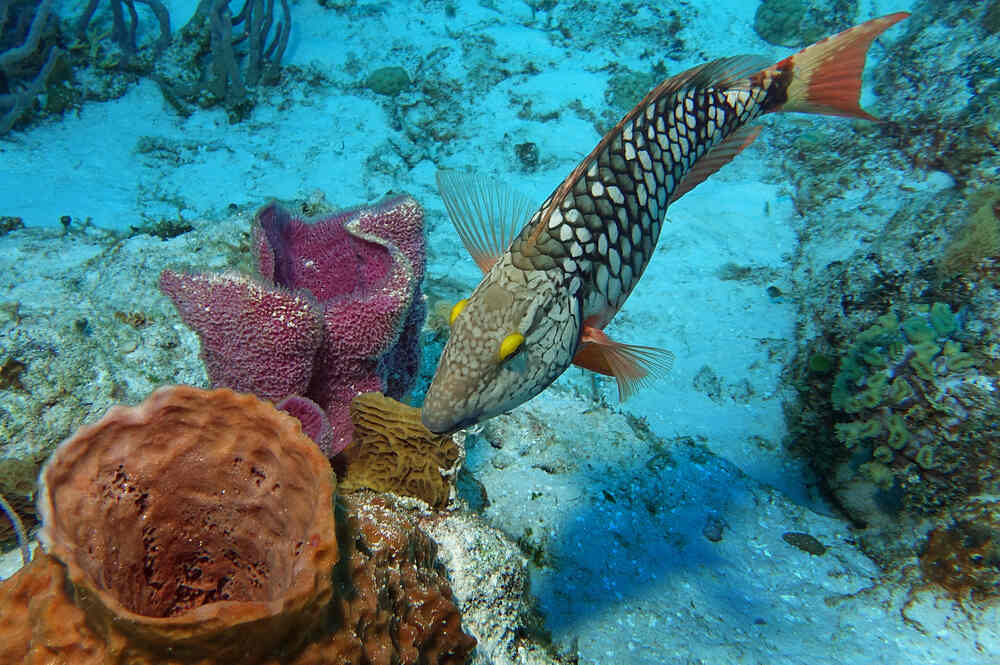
(551, 288)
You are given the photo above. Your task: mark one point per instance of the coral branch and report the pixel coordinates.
(125, 33)
(12, 56)
(13, 105)
(226, 83)
(246, 51)
(163, 18)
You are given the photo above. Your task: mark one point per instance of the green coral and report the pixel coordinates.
(913, 401)
(874, 348)
(864, 380)
(821, 363)
(917, 329)
(856, 432)
(942, 319)
(925, 457)
(898, 435)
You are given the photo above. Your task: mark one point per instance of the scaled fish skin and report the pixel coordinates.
(551, 288)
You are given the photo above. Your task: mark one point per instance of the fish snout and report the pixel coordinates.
(443, 423)
(442, 416)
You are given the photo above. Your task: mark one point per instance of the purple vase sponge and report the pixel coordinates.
(334, 311)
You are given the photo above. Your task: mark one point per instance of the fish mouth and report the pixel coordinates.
(444, 425)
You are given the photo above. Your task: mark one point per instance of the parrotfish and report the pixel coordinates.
(550, 289)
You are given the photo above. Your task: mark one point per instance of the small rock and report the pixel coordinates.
(389, 81)
(713, 528)
(804, 542)
(502, 460)
(528, 154)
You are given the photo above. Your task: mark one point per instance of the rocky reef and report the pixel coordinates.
(75, 343)
(897, 288)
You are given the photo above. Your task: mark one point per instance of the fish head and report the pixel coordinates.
(514, 335)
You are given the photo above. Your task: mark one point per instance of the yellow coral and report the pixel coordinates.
(979, 237)
(393, 452)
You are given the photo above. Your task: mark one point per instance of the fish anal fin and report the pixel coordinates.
(486, 213)
(826, 77)
(715, 159)
(630, 365)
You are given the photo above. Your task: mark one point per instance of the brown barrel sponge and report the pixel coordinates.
(190, 522)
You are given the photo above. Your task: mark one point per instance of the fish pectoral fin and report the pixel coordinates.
(631, 365)
(486, 213)
(715, 159)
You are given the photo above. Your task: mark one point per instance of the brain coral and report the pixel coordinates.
(175, 529)
(394, 452)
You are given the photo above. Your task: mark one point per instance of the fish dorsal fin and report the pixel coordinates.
(486, 213)
(732, 73)
(630, 365)
(725, 74)
(715, 159)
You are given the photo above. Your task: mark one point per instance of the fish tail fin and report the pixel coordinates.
(826, 77)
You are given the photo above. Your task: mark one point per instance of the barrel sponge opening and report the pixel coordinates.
(165, 512)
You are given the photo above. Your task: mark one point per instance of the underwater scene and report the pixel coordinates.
(476, 331)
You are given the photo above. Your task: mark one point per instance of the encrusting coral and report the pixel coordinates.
(335, 311)
(978, 239)
(963, 556)
(393, 452)
(200, 527)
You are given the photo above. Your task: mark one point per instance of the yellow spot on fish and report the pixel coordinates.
(456, 310)
(510, 344)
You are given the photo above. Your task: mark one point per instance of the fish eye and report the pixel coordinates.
(456, 310)
(510, 344)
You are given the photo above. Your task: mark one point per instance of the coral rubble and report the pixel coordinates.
(335, 310)
(199, 518)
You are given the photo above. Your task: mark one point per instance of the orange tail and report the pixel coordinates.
(826, 77)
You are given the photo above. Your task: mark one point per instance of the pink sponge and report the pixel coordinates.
(335, 311)
(254, 338)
